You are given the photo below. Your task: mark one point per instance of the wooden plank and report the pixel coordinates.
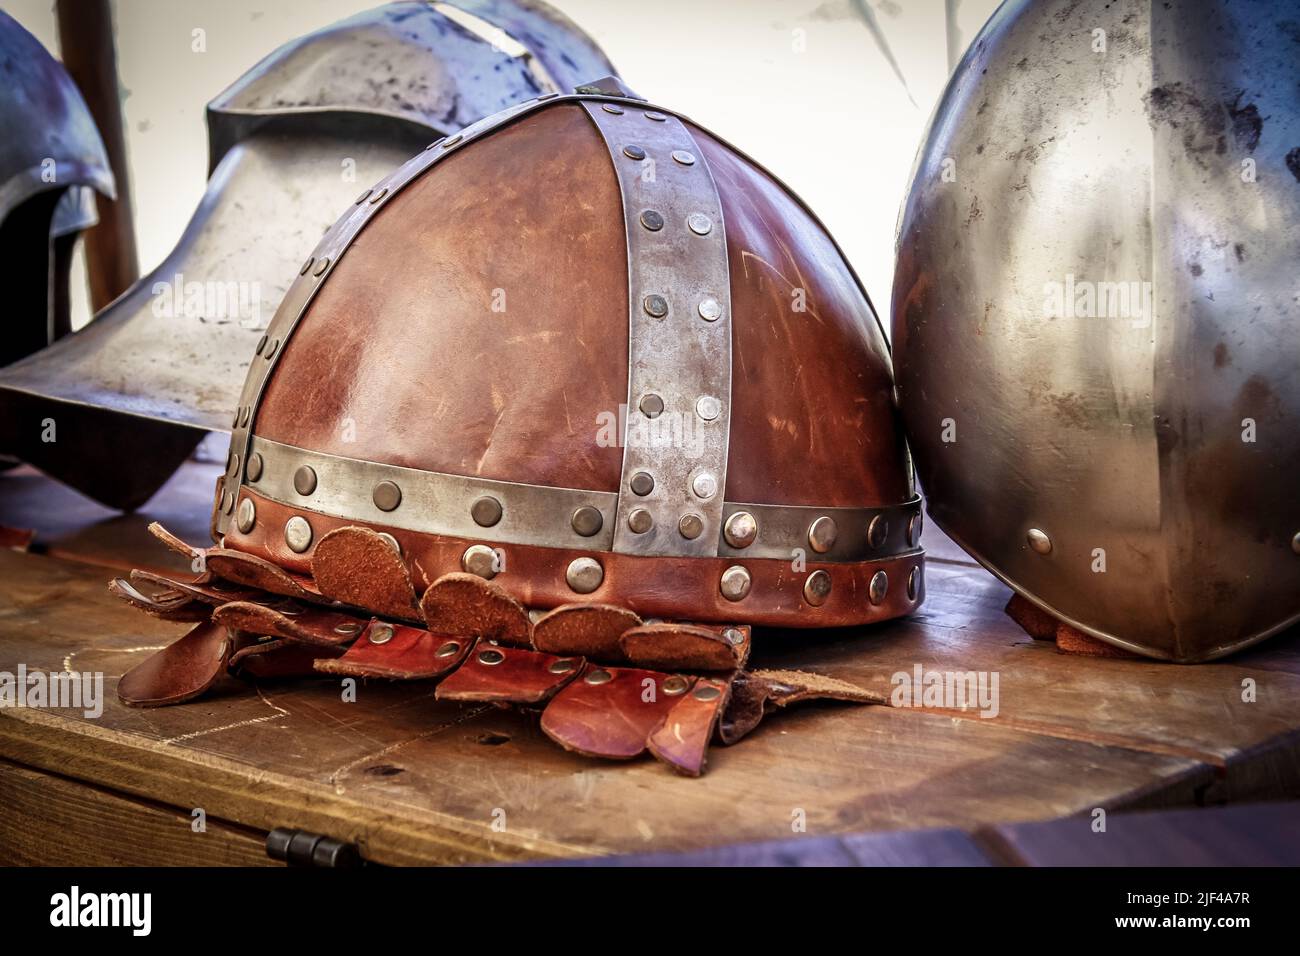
(1194, 711)
(414, 780)
(1264, 834)
(52, 821)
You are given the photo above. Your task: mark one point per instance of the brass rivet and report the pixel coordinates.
(366, 195)
(634, 152)
(450, 649)
(243, 419)
(611, 108)
(1039, 541)
(270, 349)
(247, 516)
(228, 502)
(740, 530)
(584, 575)
(656, 116)
(656, 306)
(913, 582)
(710, 309)
(821, 534)
(481, 560)
(735, 583)
(311, 260)
(261, 344)
(734, 635)
(683, 157)
(587, 521)
(914, 529)
(254, 469)
(490, 657)
(652, 406)
(232, 463)
(304, 480)
(817, 588)
(708, 407)
(391, 541)
(381, 634)
(485, 511)
(879, 587)
(386, 496)
(321, 266)
(877, 531)
(639, 521)
(379, 195)
(297, 534)
(699, 223)
(564, 665)
(348, 628)
(598, 676)
(675, 685)
(449, 143)
(234, 422)
(704, 485)
(690, 527)
(652, 220)
(642, 484)
(706, 692)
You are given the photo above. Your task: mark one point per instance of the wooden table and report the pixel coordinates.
(412, 780)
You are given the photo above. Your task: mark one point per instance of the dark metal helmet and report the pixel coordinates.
(51, 161)
(1096, 327)
(290, 144)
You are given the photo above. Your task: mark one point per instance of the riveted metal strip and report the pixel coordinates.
(679, 335)
(790, 532)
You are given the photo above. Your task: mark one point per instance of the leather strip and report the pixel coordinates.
(399, 652)
(611, 711)
(508, 675)
(682, 740)
(306, 625)
(356, 566)
(168, 604)
(179, 672)
(584, 630)
(677, 360)
(674, 646)
(460, 603)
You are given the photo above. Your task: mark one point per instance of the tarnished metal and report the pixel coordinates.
(1095, 316)
(52, 160)
(288, 144)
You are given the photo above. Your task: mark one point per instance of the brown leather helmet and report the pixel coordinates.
(581, 356)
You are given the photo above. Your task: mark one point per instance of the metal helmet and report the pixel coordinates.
(51, 163)
(585, 360)
(1096, 327)
(290, 143)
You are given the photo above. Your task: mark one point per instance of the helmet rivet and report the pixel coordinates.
(481, 560)
(877, 532)
(634, 152)
(490, 657)
(699, 223)
(452, 141)
(587, 521)
(655, 115)
(378, 196)
(611, 108)
(675, 685)
(598, 676)
(449, 649)
(683, 157)
(734, 635)
(708, 407)
(227, 503)
(321, 266)
(247, 516)
(821, 534)
(690, 527)
(348, 628)
(254, 469)
(391, 541)
(817, 588)
(261, 344)
(704, 485)
(248, 412)
(366, 195)
(642, 484)
(740, 530)
(655, 305)
(304, 480)
(914, 529)
(584, 575)
(913, 583)
(381, 634)
(639, 521)
(297, 534)
(485, 511)
(270, 349)
(879, 587)
(652, 220)
(1039, 541)
(706, 692)
(386, 496)
(311, 261)
(652, 406)
(564, 665)
(710, 310)
(735, 583)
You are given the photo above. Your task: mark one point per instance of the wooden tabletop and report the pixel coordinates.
(413, 780)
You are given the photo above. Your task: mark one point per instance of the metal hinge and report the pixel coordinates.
(301, 848)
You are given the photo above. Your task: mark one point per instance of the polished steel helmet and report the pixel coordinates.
(1096, 324)
(52, 162)
(290, 144)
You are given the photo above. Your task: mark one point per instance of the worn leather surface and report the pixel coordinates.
(584, 630)
(255, 572)
(179, 672)
(682, 740)
(356, 566)
(166, 603)
(297, 622)
(411, 653)
(518, 396)
(460, 603)
(695, 647)
(611, 719)
(280, 659)
(206, 587)
(519, 676)
(673, 588)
